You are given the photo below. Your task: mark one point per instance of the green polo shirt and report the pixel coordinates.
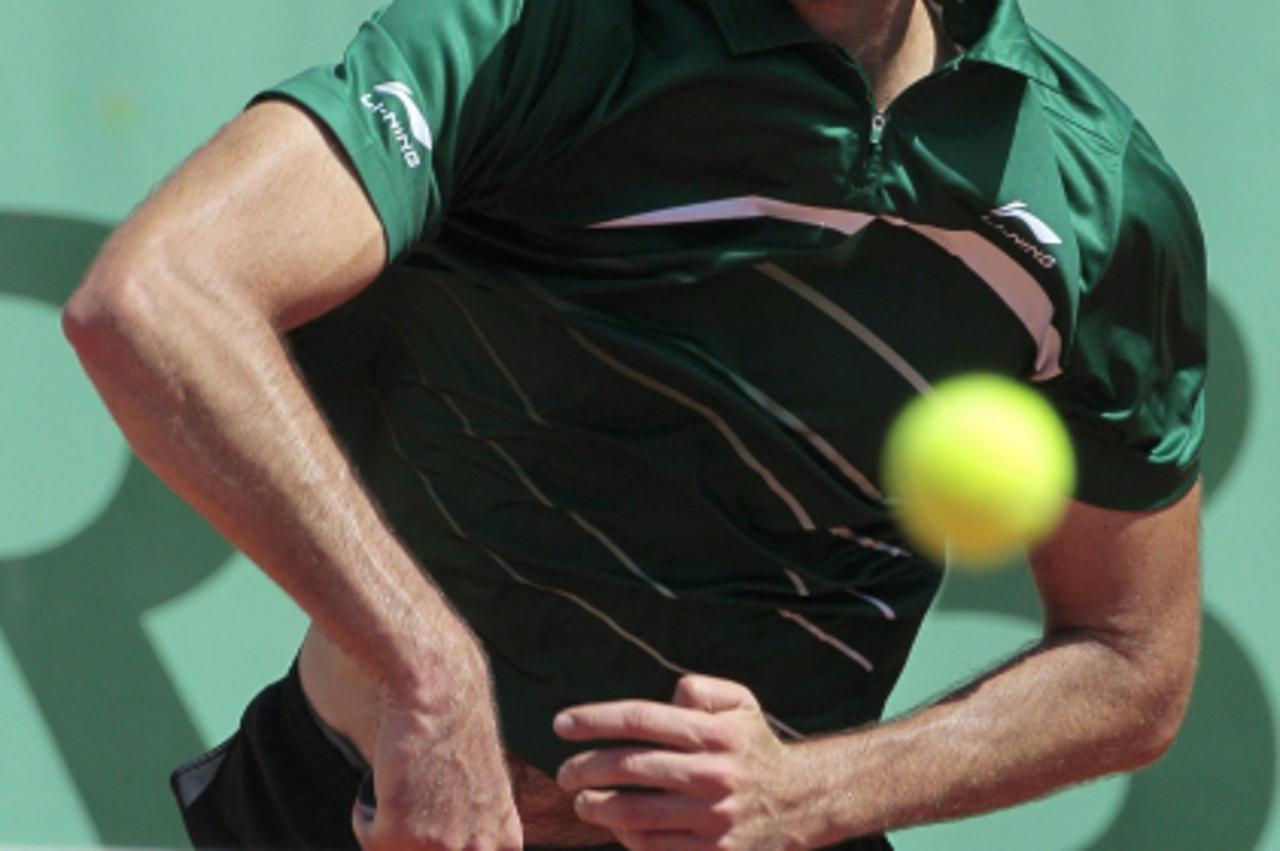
(664, 274)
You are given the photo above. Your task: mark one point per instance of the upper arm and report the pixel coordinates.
(302, 199)
(269, 213)
(1124, 564)
(1123, 567)
(1131, 580)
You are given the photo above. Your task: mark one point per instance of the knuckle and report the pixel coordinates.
(630, 763)
(627, 811)
(719, 776)
(713, 823)
(636, 717)
(568, 772)
(719, 735)
(583, 806)
(688, 685)
(725, 814)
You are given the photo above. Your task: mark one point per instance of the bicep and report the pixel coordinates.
(1129, 576)
(270, 212)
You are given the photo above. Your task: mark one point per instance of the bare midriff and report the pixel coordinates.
(347, 700)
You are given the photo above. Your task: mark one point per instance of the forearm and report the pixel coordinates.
(202, 386)
(179, 324)
(1076, 707)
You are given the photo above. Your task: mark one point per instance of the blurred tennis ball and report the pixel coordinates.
(978, 469)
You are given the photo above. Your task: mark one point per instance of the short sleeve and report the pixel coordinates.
(400, 101)
(1132, 391)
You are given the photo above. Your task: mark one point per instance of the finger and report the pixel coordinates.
(698, 774)
(631, 812)
(712, 694)
(639, 720)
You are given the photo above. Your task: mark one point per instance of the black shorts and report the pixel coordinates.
(286, 781)
(279, 782)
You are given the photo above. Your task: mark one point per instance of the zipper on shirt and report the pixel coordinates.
(880, 117)
(878, 121)
(871, 165)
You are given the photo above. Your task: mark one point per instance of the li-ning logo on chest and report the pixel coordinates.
(419, 131)
(1043, 234)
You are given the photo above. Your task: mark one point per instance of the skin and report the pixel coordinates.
(1104, 691)
(179, 325)
(896, 42)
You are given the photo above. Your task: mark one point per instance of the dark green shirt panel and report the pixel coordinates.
(1132, 390)
(643, 108)
(558, 64)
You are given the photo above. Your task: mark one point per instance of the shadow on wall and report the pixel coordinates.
(1216, 786)
(73, 618)
(72, 614)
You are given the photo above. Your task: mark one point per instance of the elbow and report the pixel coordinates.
(108, 311)
(1159, 712)
(1167, 721)
(1156, 738)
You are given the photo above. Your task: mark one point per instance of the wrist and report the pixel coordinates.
(443, 671)
(805, 791)
(827, 794)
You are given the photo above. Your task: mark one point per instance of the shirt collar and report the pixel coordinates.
(991, 31)
(994, 31)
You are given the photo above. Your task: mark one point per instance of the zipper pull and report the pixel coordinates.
(878, 122)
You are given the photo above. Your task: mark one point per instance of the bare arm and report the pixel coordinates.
(1104, 691)
(178, 323)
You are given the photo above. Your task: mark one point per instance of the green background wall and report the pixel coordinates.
(131, 636)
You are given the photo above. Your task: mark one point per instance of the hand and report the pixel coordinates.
(439, 776)
(717, 778)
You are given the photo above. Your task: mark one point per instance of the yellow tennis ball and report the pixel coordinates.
(978, 469)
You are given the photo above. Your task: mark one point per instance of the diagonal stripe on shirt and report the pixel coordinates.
(521, 475)
(735, 442)
(743, 452)
(619, 630)
(844, 221)
(493, 354)
(848, 322)
(819, 443)
(1016, 287)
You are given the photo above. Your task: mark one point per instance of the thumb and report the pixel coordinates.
(712, 694)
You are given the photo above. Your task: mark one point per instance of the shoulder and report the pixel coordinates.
(1110, 161)
(1079, 101)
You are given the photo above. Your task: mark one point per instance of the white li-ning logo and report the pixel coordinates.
(418, 131)
(1041, 231)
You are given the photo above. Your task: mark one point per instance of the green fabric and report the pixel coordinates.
(664, 278)
(1132, 391)
(439, 52)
